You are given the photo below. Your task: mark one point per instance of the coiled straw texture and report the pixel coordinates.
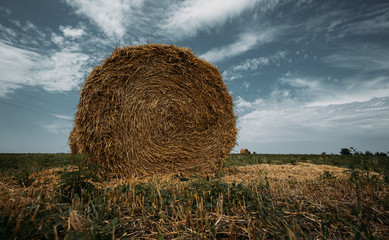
(154, 109)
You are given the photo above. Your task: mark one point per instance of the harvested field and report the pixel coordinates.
(304, 201)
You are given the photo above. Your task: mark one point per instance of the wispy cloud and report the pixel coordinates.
(58, 127)
(342, 22)
(322, 92)
(15, 66)
(112, 17)
(246, 85)
(255, 63)
(62, 71)
(351, 91)
(176, 20)
(26, 34)
(303, 110)
(308, 84)
(187, 18)
(166, 20)
(245, 42)
(5, 11)
(72, 32)
(64, 117)
(365, 58)
(374, 19)
(57, 71)
(32, 56)
(243, 106)
(7, 34)
(289, 126)
(252, 64)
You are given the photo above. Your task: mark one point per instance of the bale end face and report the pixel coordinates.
(154, 109)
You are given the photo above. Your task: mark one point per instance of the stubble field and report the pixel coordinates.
(257, 196)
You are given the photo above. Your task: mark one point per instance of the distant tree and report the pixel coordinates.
(381, 154)
(345, 151)
(355, 151)
(368, 153)
(323, 153)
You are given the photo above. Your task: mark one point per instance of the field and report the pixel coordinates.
(257, 196)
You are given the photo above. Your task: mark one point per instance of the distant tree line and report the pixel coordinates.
(353, 151)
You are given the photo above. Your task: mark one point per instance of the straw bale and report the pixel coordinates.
(154, 109)
(244, 151)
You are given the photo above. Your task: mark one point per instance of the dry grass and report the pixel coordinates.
(261, 201)
(303, 172)
(154, 109)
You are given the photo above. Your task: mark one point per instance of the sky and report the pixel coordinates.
(306, 76)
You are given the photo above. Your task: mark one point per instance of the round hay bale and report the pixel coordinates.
(154, 109)
(244, 151)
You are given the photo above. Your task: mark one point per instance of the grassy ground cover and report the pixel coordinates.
(254, 197)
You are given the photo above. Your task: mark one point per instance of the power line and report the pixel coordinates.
(31, 110)
(42, 100)
(36, 107)
(35, 97)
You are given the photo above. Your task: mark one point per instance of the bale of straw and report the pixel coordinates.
(154, 109)
(244, 151)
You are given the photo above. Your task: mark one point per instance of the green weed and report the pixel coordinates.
(23, 176)
(78, 182)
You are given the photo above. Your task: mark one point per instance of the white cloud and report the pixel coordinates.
(7, 87)
(242, 106)
(289, 127)
(28, 57)
(139, 20)
(5, 11)
(236, 71)
(113, 17)
(312, 84)
(351, 91)
(62, 71)
(26, 34)
(7, 32)
(302, 111)
(251, 64)
(374, 19)
(14, 67)
(230, 76)
(72, 32)
(341, 22)
(57, 39)
(30, 27)
(246, 85)
(366, 58)
(57, 71)
(245, 42)
(318, 92)
(64, 117)
(189, 17)
(58, 127)
(255, 63)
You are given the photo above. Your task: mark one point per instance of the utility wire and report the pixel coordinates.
(31, 110)
(36, 107)
(34, 97)
(42, 100)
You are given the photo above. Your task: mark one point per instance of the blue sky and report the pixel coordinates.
(306, 76)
